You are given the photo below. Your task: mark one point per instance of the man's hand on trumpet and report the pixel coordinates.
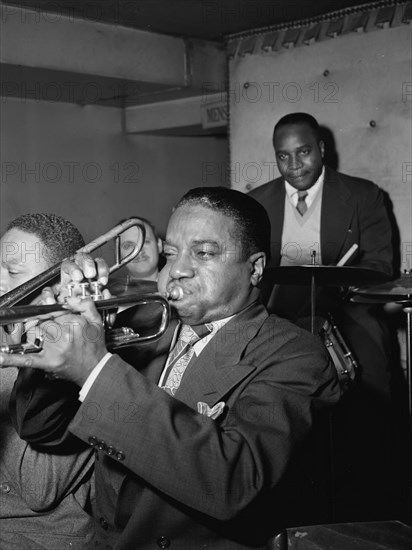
(74, 272)
(72, 344)
(84, 267)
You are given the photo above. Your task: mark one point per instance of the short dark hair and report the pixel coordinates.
(250, 217)
(299, 118)
(60, 237)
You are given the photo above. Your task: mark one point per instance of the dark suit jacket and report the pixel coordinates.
(44, 496)
(166, 474)
(353, 211)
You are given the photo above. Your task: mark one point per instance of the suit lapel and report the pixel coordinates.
(218, 368)
(336, 217)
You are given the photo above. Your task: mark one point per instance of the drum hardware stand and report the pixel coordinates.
(312, 294)
(408, 310)
(399, 292)
(345, 258)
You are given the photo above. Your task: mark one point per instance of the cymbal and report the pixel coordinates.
(123, 287)
(376, 299)
(399, 287)
(327, 275)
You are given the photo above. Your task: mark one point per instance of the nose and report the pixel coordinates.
(181, 267)
(294, 162)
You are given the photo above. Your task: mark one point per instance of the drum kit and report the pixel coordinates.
(367, 286)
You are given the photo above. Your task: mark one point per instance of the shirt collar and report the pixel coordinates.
(292, 193)
(213, 326)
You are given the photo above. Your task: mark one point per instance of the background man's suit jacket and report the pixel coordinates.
(353, 211)
(166, 473)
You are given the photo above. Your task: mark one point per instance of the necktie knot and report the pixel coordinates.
(181, 354)
(301, 205)
(187, 335)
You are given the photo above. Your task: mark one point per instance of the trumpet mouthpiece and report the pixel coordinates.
(176, 293)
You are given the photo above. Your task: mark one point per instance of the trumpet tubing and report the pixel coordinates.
(115, 339)
(26, 289)
(11, 313)
(21, 314)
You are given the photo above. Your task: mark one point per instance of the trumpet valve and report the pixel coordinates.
(92, 289)
(84, 287)
(70, 288)
(96, 289)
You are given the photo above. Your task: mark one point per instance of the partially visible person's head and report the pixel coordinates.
(216, 246)
(31, 244)
(146, 264)
(299, 149)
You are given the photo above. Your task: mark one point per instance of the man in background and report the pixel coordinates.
(146, 264)
(314, 209)
(141, 278)
(45, 498)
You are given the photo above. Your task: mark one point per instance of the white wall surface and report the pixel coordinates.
(347, 83)
(77, 162)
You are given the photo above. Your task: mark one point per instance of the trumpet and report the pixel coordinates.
(115, 338)
(47, 277)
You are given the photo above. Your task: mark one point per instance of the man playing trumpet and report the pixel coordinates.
(195, 446)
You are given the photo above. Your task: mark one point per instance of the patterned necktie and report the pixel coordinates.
(302, 207)
(181, 355)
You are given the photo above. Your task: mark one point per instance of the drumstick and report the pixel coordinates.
(348, 254)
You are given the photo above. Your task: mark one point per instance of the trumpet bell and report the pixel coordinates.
(147, 318)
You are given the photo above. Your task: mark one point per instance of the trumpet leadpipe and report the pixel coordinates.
(21, 314)
(115, 339)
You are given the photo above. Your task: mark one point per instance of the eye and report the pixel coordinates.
(205, 254)
(12, 269)
(282, 156)
(168, 253)
(305, 152)
(206, 251)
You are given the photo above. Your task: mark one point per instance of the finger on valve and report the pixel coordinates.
(92, 268)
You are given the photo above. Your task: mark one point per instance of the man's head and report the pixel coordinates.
(299, 149)
(216, 246)
(31, 244)
(146, 264)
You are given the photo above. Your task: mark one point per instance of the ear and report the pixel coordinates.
(257, 265)
(322, 148)
(160, 245)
